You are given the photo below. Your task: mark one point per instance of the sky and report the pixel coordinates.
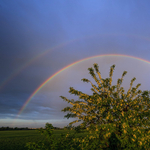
(46, 47)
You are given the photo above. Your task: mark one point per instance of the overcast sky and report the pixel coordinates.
(40, 37)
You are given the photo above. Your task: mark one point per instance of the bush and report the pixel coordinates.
(112, 110)
(116, 119)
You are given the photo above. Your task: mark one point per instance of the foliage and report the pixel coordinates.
(78, 129)
(110, 112)
(113, 118)
(17, 139)
(9, 128)
(65, 142)
(68, 127)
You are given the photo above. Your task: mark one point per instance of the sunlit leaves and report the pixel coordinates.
(110, 109)
(85, 80)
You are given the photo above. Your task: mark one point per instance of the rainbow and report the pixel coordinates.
(38, 56)
(70, 65)
(31, 61)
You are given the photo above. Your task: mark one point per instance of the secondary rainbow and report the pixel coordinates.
(74, 63)
(31, 61)
(38, 56)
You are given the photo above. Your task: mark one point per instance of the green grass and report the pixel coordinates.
(16, 140)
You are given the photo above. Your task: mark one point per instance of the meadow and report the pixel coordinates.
(16, 140)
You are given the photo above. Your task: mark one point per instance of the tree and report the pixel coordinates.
(49, 126)
(110, 110)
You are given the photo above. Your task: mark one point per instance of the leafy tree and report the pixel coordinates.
(110, 112)
(16, 128)
(49, 126)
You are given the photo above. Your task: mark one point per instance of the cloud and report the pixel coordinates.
(69, 32)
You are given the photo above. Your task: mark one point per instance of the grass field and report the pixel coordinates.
(16, 140)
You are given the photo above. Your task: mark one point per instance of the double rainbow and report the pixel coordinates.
(70, 65)
(38, 56)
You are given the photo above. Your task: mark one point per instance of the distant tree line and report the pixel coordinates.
(68, 127)
(26, 128)
(10, 128)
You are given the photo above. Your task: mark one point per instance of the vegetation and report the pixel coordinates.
(26, 128)
(53, 141)
(16, 128)
(117, 120)
(17, 139)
